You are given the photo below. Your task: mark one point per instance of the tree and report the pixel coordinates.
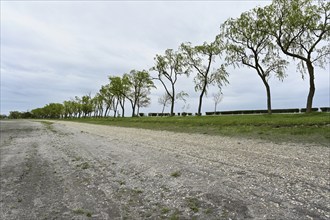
(54, 110)
(217, 98)
(302, 31)
(68, 108)
(98, 104)
(144, 100)
(87, 107)
(77, 107)
(200, 58)
(108, 99)
(119, 87)
(164, 100)
(139, 83)
(248, 44)
(15, 115)
(169, 67)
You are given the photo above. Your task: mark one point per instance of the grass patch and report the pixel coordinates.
(175, 215)
(302, 128)
(165, 210)
(48, 125)
(176, 174)
(193, 204)
(84, 165)
(137, 191)
(82, 212)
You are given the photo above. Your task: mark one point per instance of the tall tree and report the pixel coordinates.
(138, 81)
(169, 67)
(98, 104)
(68, 109)
(54, 110)
(248, 44)
(200, 58)
(108, 99)
(87, 106)
(302, 31)
(77, 107)
(119, 87)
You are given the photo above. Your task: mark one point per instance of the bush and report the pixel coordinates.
(325, 109)
(313, 109)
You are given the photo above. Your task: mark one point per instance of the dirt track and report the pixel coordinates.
(69, 170)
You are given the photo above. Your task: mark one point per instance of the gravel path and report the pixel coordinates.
(67, 170)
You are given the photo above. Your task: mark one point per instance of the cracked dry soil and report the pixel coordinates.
(69, 170)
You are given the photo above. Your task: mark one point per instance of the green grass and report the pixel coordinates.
(193, 204)
(84, 165)
(302, 128)
(176, 174)
(48, 125)
(82, 212)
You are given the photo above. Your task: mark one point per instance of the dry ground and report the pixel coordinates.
(69, 170)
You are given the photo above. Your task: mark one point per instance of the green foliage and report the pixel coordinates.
(301, 29)
(119, 87)
(200, 59)
(140, 84)
(248, 44)
(169, 67)
(52, 110)
(15, 115)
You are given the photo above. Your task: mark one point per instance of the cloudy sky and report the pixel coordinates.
(52, 51)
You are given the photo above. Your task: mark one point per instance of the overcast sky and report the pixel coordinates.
(52, 51)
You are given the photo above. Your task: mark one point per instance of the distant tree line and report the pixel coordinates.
(261, 39)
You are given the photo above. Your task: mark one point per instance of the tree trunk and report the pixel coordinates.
(122, 105)
(106, 112)
(173, 100)
(172, 106)
(201, 98)
(200, 103)
(311, 92)
(134, 108)
(269, 101)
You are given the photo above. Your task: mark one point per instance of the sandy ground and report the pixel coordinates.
(69, 170)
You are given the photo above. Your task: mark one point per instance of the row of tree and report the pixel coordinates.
(258, 39)
(134, 87)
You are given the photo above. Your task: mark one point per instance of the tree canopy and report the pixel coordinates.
(248, 44)
(302, 31)
(169, 67)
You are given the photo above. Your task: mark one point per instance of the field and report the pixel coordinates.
(300, 128)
